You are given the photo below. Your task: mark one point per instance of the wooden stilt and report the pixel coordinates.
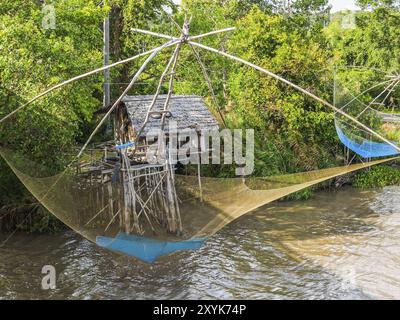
(199, 169)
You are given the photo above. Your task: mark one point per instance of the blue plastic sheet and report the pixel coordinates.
(367, 149)
(146, 249)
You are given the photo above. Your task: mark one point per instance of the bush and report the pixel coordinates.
(378, 177)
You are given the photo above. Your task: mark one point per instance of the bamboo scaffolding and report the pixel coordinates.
(175, 223)
(133, 190)
(164, 189)
(153, 192)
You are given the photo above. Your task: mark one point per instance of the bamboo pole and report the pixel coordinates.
(138, 73)
(127, 198)
(82, 76)
(298, 88)
(211, 33)
(171, 203)
(170, 86)
(199, 169)
(156, 34)
(174, 22)
(176, 202)
(366, 91)
(161, 82)
(110, 199)
(119, 191)
(106, 50)
(111, 221)
(97, 214)
(209, 84)
(161, 35)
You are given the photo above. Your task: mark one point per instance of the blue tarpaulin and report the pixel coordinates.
(126, 145)
(146, 249)
(367, 148)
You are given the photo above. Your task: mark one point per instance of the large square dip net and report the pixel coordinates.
(108, 191)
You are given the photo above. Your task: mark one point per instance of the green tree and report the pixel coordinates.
(142, 14)
(294, 132)
(373, 4)
(33, 58)
(373, 42)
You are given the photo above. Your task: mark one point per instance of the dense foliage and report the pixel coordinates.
(33, 58)
(378, 177)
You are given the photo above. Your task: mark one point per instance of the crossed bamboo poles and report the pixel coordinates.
(187, 39)
(393, 83)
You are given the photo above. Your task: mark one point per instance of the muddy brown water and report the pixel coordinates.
(341, 245)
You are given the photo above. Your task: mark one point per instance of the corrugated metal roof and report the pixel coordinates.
(189, 112)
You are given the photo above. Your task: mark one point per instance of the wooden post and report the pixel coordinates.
(110, 199)
(107, 94)
(199, 166)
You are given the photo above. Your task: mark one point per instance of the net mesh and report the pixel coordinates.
(93, 206)
(141, 210)
(370, 96)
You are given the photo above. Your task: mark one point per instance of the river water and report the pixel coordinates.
(340, 245)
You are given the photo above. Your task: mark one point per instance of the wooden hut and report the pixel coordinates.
(186, 111)
(148, 198)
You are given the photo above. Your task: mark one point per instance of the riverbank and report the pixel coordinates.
(378, 177)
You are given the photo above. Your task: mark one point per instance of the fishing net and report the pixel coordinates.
(114, 198)
(370, 96)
